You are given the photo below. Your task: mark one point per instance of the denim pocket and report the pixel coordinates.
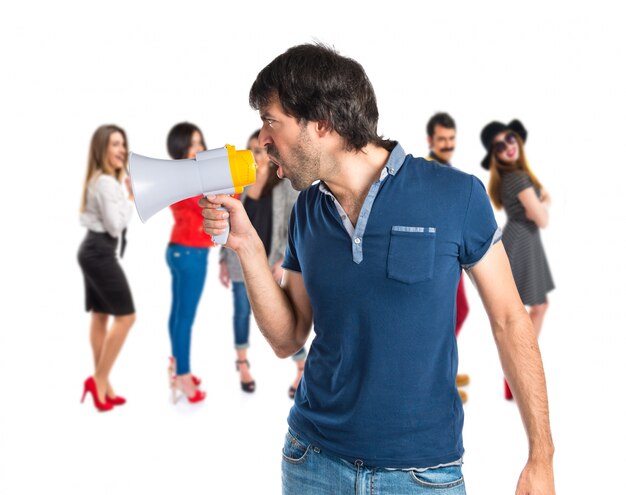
(294, 451)
(443, 478)
(411, 256)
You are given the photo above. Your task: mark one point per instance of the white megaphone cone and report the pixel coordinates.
(160, 183)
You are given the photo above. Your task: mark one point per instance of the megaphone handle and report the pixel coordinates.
(222, 238)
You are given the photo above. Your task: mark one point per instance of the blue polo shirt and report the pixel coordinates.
(379, 384)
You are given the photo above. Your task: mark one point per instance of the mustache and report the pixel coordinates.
(446, 150)
(271, 150)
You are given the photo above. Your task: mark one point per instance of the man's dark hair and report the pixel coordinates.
(442, 119)
(314, 83)
(179, 139)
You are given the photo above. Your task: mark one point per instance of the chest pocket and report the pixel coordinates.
(411, 256)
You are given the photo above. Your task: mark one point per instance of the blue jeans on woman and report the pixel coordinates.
(308, 470)
(188, 266)
(241, 320)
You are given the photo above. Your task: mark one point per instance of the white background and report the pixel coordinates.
(68, 67)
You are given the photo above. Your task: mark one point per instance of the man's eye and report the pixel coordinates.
(270, 122)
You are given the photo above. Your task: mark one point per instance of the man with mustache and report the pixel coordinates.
(441, 135)
(375, 250)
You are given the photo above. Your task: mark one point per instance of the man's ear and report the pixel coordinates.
(322, 128)
(430, 141)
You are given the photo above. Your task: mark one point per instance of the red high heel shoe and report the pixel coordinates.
(508, 395)
(90, 386)
(115, 401)
(198, 396)
(171, 368)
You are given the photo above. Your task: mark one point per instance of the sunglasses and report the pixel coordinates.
(500, 146)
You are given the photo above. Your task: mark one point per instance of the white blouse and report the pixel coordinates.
(108, 208)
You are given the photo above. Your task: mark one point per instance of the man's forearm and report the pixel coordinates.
(272, 308)
(522, 364)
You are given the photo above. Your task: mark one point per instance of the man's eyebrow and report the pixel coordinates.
(266, 115)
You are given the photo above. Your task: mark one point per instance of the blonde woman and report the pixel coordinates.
(105, 212)
(514, 187)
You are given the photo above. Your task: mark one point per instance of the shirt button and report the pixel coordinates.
(357, 240)
(392, 170)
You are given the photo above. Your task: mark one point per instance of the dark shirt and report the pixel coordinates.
(380, 380)
(260, 213)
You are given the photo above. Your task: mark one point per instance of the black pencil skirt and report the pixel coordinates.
(106, 288)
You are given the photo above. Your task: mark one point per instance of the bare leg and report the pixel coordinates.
(111, 347)
(537, 313)
(244, 368)
(186, 384)
(299, 371)
(97, 334)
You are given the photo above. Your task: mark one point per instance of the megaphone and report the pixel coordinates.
(159, 183)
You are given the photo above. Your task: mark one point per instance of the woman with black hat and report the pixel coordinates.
(513, 185)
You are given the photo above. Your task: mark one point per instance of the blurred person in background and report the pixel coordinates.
(441, 136)
(514, 187)
(268, 203)
(187, 258)
(105, 211)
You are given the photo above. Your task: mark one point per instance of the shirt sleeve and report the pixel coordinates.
(291, 261)
(480, 230)
(114, 207)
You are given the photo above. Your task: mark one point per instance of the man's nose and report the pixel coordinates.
(264, 137)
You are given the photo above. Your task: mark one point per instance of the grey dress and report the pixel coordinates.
(522, 242)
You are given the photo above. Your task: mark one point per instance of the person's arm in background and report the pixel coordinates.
(535, 208)
(286, 322)
(283, 198)
(517, 345)
(224, 274)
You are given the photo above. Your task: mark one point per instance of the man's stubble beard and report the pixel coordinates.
(305, 165)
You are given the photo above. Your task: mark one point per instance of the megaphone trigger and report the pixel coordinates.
(223, 237)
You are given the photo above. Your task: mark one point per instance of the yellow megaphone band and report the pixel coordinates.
(242, 167)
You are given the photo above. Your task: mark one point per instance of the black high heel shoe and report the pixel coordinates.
(246, 386)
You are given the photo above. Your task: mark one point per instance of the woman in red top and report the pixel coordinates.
(187, 256)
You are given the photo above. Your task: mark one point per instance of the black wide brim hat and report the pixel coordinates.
(494, 128)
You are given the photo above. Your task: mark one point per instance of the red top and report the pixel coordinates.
(187, 229)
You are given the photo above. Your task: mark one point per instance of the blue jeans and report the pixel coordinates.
(308, 470)
(188, 266)
(241, 320)
(241, 315)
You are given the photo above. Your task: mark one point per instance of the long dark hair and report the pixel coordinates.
(179, 140)
(314, 83)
